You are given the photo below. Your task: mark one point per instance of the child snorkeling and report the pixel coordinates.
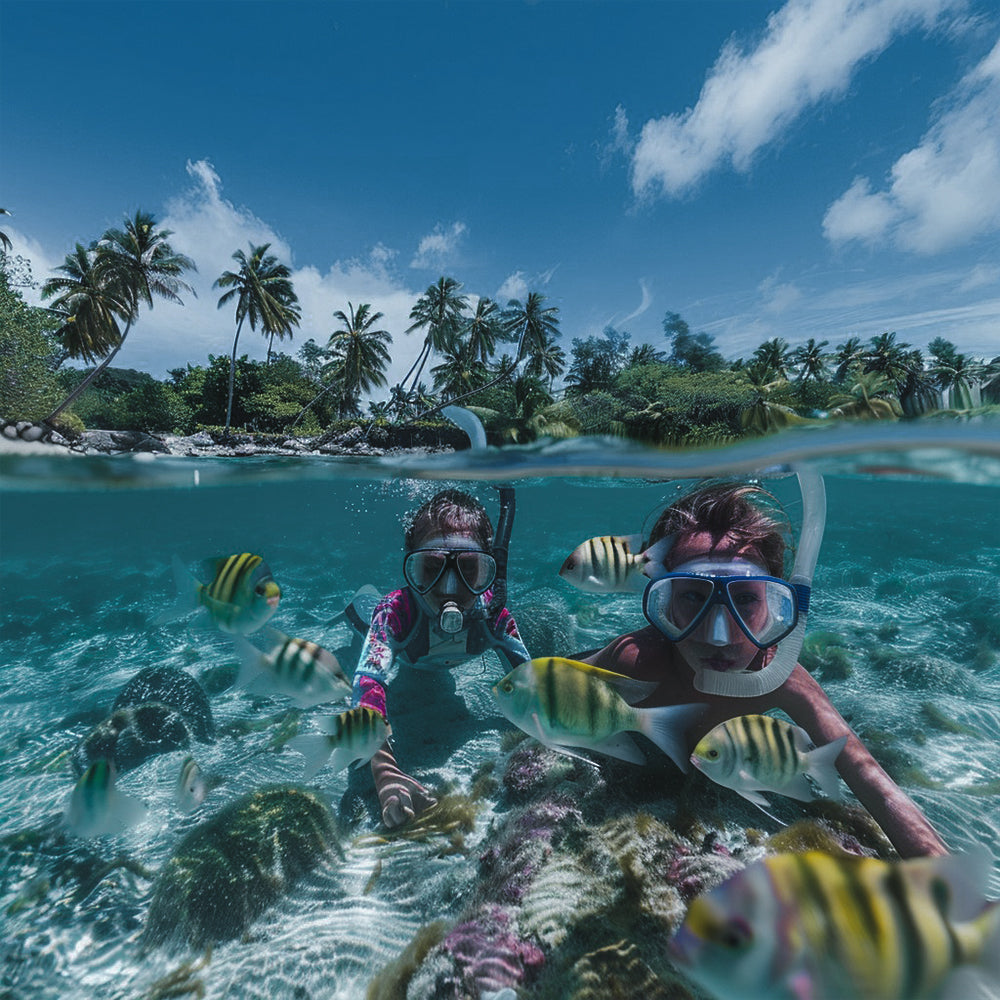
(725, 629)
(452, 608)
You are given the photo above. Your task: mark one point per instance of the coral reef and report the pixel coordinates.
(227, 870)
(175, 688)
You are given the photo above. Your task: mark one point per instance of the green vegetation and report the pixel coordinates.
(681, 393)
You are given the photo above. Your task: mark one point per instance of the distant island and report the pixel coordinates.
(506, 363)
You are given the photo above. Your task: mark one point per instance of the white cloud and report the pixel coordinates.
(515, 286)
(437, 249)
(778, 297)
(944, 192)
(647, 301)
(808, 54)
(208, 228)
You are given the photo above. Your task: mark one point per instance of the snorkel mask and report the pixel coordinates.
(424, 568)
(769, 611)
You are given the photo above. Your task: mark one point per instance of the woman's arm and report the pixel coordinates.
(910, 832)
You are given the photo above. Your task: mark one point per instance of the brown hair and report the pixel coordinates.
(727, 509)
(451, 511)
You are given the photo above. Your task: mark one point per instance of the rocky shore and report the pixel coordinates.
(354, 441)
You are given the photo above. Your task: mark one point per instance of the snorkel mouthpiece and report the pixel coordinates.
(450, 619)
(749, 684)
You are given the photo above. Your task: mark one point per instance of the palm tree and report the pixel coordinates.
(132, 265)
(482, 330)
(776, 354)
(645, 354)
(870, 397)
(263, 291)
(849, 353)
(91, 311)
(460, 372)
(533, 324)
(958, 379)
(360, 350)
(5, 243)
(890, 360)
(549, 360)
(811, 360)
(439, 309)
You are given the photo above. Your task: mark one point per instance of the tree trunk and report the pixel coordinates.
(78, 391)
(232, 378)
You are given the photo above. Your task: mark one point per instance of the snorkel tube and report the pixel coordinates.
(750, 683)
(501, 549)
(473, 427)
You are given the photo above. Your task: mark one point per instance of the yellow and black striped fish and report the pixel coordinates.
(241, 596)
(96, 807)
(564, 703)
(609, 564)
(755, 753)
(829, 928)
(306, 672)
(352, 735)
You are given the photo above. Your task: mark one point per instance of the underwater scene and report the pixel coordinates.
(187, 807)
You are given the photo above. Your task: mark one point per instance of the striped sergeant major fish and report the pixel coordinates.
(610, 564)
(354, 735)
(240, 598)
(96, 807)
(193, 785)
(755, 753)
(565, 703)
(828, 928)
(306, 672)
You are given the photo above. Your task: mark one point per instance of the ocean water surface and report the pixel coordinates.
(907, 589)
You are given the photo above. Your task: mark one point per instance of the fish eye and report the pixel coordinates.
(735, 934)
(712, 754)
(506, 686)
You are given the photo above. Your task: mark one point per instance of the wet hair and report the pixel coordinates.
(447, 512)
(738, 510)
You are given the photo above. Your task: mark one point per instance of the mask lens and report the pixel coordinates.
(766, 608)
(676, 605)
(423, 569)
(477, 570)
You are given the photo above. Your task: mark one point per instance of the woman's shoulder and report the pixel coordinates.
(631, 652)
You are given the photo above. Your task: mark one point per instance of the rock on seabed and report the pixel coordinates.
(229, 869)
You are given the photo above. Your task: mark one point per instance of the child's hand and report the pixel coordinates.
(400, 796)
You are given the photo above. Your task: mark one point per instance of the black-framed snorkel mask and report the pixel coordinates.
(476, 570)
(769, 611)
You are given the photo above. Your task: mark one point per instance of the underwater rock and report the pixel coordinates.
(157, 711)
(132, 735)
(175, 688)
(392, 981)
(229, 869)
(618, 972)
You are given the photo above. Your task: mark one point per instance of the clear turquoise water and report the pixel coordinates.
(908, 577)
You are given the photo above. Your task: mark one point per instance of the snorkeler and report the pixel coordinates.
(452, 608)
(725, 628)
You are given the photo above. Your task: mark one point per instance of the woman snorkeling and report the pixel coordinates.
(725, 629)
(451, 608)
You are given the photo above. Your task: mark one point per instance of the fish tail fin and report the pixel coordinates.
(653, 558)
(315, 747)
(666, 727)
(341, 758)
(823, 767)
(127, 810)
(251, 661)
(188, 594)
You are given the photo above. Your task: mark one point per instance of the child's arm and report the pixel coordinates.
(910, 832)
(507, 639)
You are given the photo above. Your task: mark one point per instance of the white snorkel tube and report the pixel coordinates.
(750, 683)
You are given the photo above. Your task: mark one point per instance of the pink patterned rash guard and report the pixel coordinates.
(400, 631)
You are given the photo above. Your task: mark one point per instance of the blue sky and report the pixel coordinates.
(826, 168)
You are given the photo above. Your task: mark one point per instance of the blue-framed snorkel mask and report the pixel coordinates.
(764, 608)
(768, 610)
